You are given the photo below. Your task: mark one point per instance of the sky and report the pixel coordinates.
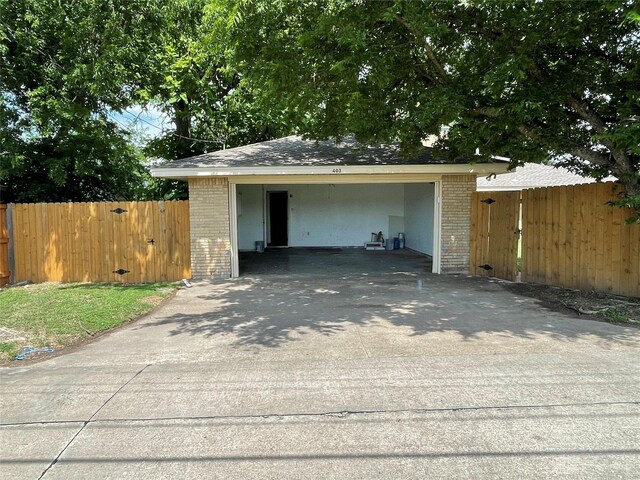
(145, 121)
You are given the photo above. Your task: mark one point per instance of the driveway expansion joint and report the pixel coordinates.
(86, 422)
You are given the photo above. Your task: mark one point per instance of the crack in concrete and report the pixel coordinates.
(336, 414)
(361, 342)
(87, 422)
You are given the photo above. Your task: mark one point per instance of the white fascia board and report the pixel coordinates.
(435, 169)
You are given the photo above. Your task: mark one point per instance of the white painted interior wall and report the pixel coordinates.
(418, 216)
(338, 215)
(250, 205)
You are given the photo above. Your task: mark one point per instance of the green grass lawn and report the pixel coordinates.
(58, 315)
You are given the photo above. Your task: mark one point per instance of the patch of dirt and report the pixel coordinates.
(153, 300)
(10, 335)
(591, 305)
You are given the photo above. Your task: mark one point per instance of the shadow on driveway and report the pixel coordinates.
(272, 310)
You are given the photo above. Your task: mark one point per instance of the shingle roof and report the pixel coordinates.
(532, 175)
(294, 151)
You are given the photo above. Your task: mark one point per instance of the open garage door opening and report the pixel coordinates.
(324, 225)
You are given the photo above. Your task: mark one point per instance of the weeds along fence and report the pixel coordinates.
(101, 242)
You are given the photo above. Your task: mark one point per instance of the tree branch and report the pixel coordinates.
(597, 158)
(584, 110)
(444, 76)
(597, 51)
(592, 156)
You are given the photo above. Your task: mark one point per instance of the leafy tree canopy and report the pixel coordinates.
(532, 81)
(195, 84)
(65, 65)
(68, 66)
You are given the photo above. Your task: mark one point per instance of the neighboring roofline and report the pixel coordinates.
(503, 188)
(478, 169)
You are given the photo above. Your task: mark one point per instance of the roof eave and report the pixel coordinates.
(433, 169)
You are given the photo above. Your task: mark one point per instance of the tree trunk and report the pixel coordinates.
(182, 121)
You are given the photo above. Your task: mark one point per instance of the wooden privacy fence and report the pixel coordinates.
(101, 242)
(573, 238)
(5, 272)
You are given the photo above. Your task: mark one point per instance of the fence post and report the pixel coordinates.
(12, 259)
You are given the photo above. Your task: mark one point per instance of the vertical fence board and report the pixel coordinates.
(17, 252)
(569, 241)
(591, 228)
(561, 242)
(538, 227)
(528, 214)
(182, 231)
(479, 225)
(5, 269)
(529, 240)
(527, 220)
(475, 234)
(600, 239)
(17, 246)
(108, 250)
(583, 273)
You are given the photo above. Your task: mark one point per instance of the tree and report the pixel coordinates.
(532, 81)
(65, 67)
(195, 85)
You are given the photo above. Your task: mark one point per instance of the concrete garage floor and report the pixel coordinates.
(333, 374)
(333, 261)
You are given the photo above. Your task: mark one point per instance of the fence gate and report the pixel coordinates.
(102, 242)
(495, 219)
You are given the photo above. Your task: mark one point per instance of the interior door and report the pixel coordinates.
(278, 211)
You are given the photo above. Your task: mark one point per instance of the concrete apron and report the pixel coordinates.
(333, 375)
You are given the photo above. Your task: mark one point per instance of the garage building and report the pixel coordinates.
(293, 192)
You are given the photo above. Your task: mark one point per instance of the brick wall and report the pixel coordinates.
(456, 222)
(210, 231)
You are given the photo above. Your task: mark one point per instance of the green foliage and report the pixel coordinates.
(631, 202)
(65, 66)
(533, 81)
(60, 314)
(196, 86)
(8, 349)
(68, 66)
(616, 314)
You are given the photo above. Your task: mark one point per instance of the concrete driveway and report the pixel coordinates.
(333, 374)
